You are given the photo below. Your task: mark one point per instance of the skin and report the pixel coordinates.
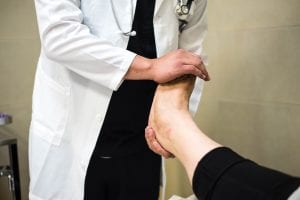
(168, 67)
(171, 127)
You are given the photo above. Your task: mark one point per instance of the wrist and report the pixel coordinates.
(140, 69)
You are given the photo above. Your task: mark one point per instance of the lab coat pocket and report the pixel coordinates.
(50, 108)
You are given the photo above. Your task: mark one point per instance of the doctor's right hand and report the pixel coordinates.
(176, 64)
(168, 67)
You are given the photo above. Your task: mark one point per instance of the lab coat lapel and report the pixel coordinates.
(124, 13)
(157, 5)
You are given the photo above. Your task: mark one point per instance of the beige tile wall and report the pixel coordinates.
(252, 103)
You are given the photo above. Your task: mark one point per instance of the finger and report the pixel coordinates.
(150, 145)
(160, 150)
(203, 69)
(148, 137)
(195, 60)
(152, 142)
(191, 59)
(155, 145)
(191, 69)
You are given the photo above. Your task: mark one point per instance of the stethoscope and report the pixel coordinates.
(182, 11)
(183, 7)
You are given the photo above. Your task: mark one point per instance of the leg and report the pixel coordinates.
(96, 179)
(139, 176)
(173, 124)
(223, 174)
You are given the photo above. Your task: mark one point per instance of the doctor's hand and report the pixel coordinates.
(168, 67)
(176, 64)
(154, 145)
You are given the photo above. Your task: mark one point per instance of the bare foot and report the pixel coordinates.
(174, 128)
(169, 108)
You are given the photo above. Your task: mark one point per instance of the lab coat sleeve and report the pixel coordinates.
(65, 39)
(191, 39)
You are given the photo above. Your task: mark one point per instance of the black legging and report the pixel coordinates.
(224, 175)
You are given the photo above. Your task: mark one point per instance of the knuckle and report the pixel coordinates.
(179, 61)
(190, 68)
(180, 52)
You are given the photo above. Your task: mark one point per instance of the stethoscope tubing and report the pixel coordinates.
(182, 10)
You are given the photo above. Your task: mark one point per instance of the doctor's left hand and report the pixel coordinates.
(154, 145)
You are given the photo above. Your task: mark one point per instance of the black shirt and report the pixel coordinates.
(123, 128)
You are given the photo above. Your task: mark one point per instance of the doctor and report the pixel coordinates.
(99, 65)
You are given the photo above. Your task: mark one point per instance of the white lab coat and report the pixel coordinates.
(83, 59)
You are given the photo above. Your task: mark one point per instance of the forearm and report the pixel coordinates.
(167, 68)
